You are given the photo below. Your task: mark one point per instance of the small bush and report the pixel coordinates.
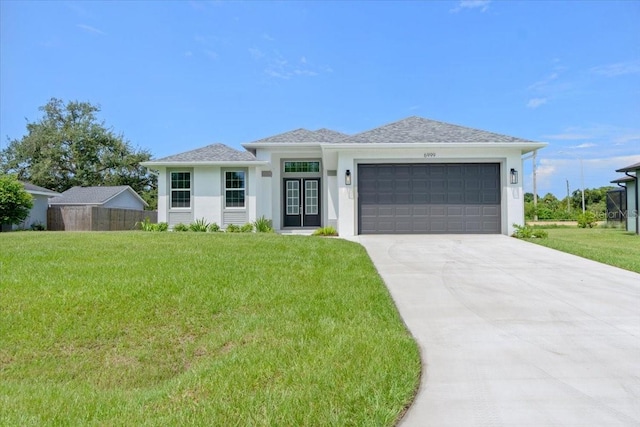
(263, 225)
(180, 227)
(587, 219)
(326, 231)
(147, 225)
(213, 227)
(232, 228)
(38, 226)
(528, 232)
(247, 228)
(199, 225)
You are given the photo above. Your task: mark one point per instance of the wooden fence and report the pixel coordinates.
(93, 218)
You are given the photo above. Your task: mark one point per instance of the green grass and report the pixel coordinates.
(607, 245)
(132, 328)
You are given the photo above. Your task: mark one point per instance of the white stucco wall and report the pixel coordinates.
(632, 214)
(512, 195)
(272, 186)
(163, 195)
(207, 194)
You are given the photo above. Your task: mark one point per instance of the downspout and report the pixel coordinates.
(637, 214)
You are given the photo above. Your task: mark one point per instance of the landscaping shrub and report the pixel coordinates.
(587, 219)
(180, 227)
(528, 232)
(232, 228)
(263, 225)
(247, 228)
(326, 231)
(213, 227)
(147, 225)
(199, 225)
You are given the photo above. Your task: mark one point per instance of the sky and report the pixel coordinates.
(175, 76)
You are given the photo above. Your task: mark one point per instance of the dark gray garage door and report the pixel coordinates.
(429, 198)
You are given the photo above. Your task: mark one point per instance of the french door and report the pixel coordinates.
(301, 202)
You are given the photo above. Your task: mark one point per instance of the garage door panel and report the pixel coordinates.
(429, 198)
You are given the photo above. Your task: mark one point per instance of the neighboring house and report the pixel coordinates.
(120, 197)
(630, 182)
(411, 176)
(38, 214)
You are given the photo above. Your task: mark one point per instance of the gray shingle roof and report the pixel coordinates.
(621, 180)
(31, 188)
(210, 153)
(298, 135)
(328, 135)
(89, 195)
(417, 129)
(631, 168)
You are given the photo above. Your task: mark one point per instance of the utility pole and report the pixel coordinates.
(582, 179)
(535, 188)
(568, 199)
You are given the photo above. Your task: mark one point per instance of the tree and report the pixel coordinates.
(69, 147)
(15, 202)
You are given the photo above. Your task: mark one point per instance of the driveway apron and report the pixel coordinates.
(514, 334)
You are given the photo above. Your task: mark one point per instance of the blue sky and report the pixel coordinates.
(173, 76)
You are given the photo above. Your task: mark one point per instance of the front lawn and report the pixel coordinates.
(133, 328)
(607, 245)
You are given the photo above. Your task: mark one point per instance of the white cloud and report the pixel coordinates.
(91, 29)
(585, 145)
(617, 69)
(256, 53)
(544, 83)
(278, 67)
(536, 102)
(188, 54)
(567, 136)
(210, 54)
(553, 173)
(483, 5)
(627, 138)
(267, 37)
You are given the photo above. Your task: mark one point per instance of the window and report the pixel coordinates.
(302, 166)
(234, 188)
(180, 189)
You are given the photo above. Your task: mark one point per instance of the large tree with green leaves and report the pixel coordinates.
(15, 202)
(70, 147)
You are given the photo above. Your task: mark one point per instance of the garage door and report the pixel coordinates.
(429, 198)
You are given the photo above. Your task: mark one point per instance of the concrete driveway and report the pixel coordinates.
(514, 334)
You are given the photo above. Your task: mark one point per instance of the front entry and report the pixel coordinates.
(301, 202)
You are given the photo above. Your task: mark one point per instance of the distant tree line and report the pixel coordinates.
(569, 208)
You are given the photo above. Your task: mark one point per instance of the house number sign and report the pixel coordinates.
(427, 155)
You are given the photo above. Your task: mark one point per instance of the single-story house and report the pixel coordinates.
(38, 213)
(119, 197)
(411, 176)
(630, 182)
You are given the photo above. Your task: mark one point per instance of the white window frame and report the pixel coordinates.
(243, 189)
(171, 190)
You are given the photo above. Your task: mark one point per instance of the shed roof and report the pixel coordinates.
(36, 189)
(92, 195)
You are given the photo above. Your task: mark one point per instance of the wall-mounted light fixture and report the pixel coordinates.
(513, 176)
(347, 177)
